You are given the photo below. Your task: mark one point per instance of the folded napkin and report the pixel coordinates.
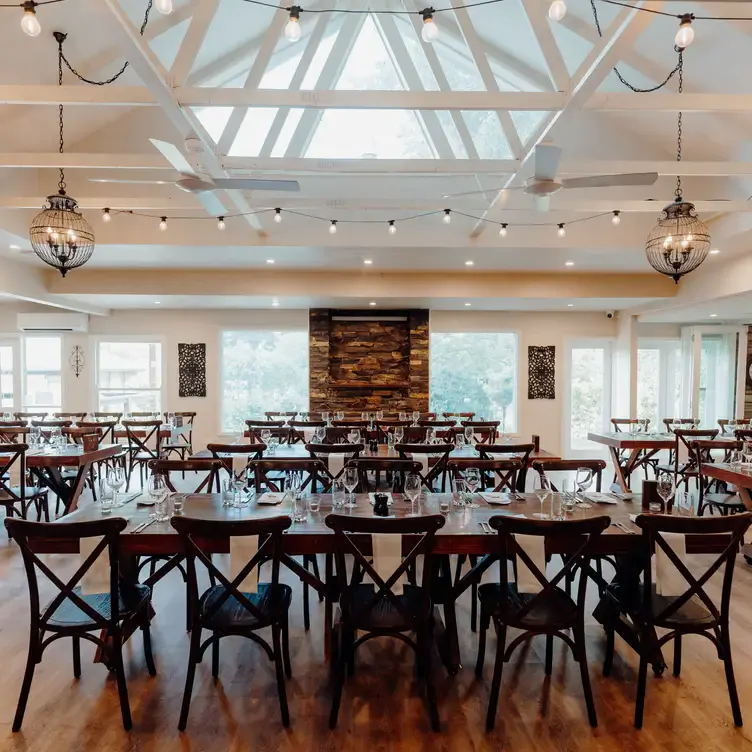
(535, 547)
(242, 549)
(97, 577)
(601, 498)
(372, 498)
(271, 498)
(387, 556)
(239, 462)
(493, 497)
(335, 463)
(668, 580)
(422, 460)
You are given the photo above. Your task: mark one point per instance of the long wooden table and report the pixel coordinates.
(741, 477)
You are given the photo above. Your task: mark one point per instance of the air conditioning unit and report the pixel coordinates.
(53, 322)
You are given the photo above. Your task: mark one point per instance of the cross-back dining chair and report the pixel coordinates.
(497, 475)
(684, 464)
(723, 423)
(392, 467)
(436, 467)
(484, 431)
(458, 416)
(270, 473)
(182, 444)
(227, 453)
(721, 500)
(69, 416)
(209, 468)
(302, 431)
(694, 611)
(387, 425)
(227, 608)
(116, 416)
(380, 609)
(520, 451)
(114, 613)
(27, 416)
(47, 423)
(276, 429)
(144, 445)
(284, 415)
(327, 452)
(543, 608)
(18, 497)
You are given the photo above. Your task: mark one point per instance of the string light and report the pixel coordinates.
(503, 230)
(29, 21)
(616, 219)
(333, 227)
(106, 215)
(293, 32)
(164, 6)
(278, 215)
(561, 231)
(392, 227)
(686, 33)
(221, 223)
(163, 224)
(430, 30)
(557, 10)
(447, 218)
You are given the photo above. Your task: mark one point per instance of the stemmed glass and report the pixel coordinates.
(472, 481)
(340, 414)
(350, 478)
(115, 480)
(431, 436)
(732, 426)
(399, 434)
(266, 434)
(412, 491)
(583, 480)
(747, 452)
(364, 416)
(319, 434)
(666, 487)
(158, 490)
(542, 489)
(403, 416)
(469, 434)
(6, 416)
(325, 417)
(416, 417)
(379, 415)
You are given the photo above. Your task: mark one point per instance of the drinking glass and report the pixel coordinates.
(583, 480)
(338, 494)
(459, 492)
(325, 417)
(412, 491)
(314, 503)
(157, 488)
(364, 416)
(239, 497)
(266, 434)
(7, 416)
(350, 478)
(390, 440)
(736, 458)
(352, 437)
(340, 415)
(35, 435)
(472, 481)
(731, 426)
(416, 417)
(356, 436)
(379, 415)
(747, 452)
(460, 439)
(272, 444)
(299, 512)
(430, 436)
(399, 434)
(567, 495)
(666, 488)
(116, 480)
(227, 492)
(695, 424)
(469, 434)
(542, 489)
(105, 495)
(403, 416)
(685, 503)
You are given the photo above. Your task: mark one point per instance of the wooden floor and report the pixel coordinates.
(382, 707)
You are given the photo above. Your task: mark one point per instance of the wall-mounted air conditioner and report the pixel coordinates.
(53, 322)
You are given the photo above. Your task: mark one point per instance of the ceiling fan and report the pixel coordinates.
(543, 184)
(199, 182)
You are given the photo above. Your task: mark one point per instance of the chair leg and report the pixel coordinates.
(284, 712)
(730, 680)
(125, 708)
(608, 661)
(473, 599)
(306, 612)
(424, 659)
(585, 675)
(549, 654)
(485, 623)
(286, 647)
(493, 699)
(192, 661)
(642, 677)
(77, 657)
(677, 654)
(215, 657)
(148, 655)
(31, 662)
(339, 672)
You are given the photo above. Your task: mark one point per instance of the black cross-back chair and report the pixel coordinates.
(551, 611)
(297, 429)
(182, 445)
(689, 470)
(277, 428)
(438, 452)
(10, 430)
(81, 617)
(19, 498)
(487, 431)
(376, 610)
(721, 500)
(141, 449)
(224, 610)
(520, 451)
(397, 469)
(322, 452)
(694, 611)
(251, 452)
(69, 416)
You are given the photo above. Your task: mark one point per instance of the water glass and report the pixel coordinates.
(685, 503)
(736, 458)
(747, 452)
(399, 434)
(444, 503)
(319, 434)
(266, 434)
(412, 491)
(314, 503)
(459, 492)
(542, 489)
(403, 416)
(583, 480)
(239, 496)
(473, 483)
(460, 439)
(299, 513)
(469, 434)
(567, 495)
(416, 417)
(379, 415)
(340, 414)
(157, 488)
(7, 416)
(338, 494)
(106, 495)
(227, 491)
(177, 503)
(116, 480)
(272, 445)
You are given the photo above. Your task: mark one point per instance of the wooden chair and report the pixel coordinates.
(211, 467)
(719, 501)
(47, 424)
(684, 472)
(628, 425)
(106, 416)
(668, 422)
(440, 454)
(18, 498)
(251, 452)
(299, 429)
(225, 610)
(286, 415)
(458, 416)
(75, 417)
(322, 452)
(142, 449)
(387, 425)
(551, 611)
(521, 452)
(182, 445)
(270, 473)
(484, 431)
(743, 434)
(542, 467)
(276, 428)
(392, 467)
(723, 423)
(114, 613)
(694, 611)
(377, 610)
(10, 430)
(29, 416)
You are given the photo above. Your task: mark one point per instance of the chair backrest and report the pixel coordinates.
(467, 416)
(499, 475)
(521, 451)
(629, 424)
(298, 429)
(277, 429)
(252, 452)
(10, 430)
(668, 422)
(13, 455)
(146, 414)
(576, 537)
(732, 527)
(346, 528)
(29, 416)
(433, 423)
(685, 437)
(253, 423)
(272, 415)
(542, 467)
(149, 441)
(52, 423)
(200, 465)
(312, 469)
(743, 434)
(723, 423)
(106, 429)
(484, 431)
(189, 419)
(322, 452)
(108, 416)
(702, 452)
(397, 467)
(76, 416)
(194, 536)
(26, 533)
(440, 452)
(77, 434)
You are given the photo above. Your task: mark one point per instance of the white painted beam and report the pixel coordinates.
(537, 17)
(201, 19)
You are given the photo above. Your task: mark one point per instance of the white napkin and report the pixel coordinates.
(336, 462)
(97, 578)
(239, 462)
(535, 547)
(494, 497)
(422, 460)
(668, 581)
(309, 434)
(387, 556)
(242, 549)
(271, 498)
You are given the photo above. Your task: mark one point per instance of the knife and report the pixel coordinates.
(144, 525)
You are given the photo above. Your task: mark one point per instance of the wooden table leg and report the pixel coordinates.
(328, 607)
(619, 470)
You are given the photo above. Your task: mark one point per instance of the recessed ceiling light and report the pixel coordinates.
(367, 262)
(372, 303)
(570, 305)
(569, 263)
(275, 303)
(157, 302)
(467, 305)
(713, 315)
(714, 252)
(469, 263)
(270, 261)
(15, 247)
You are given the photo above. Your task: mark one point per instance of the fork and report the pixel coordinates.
(486, 527)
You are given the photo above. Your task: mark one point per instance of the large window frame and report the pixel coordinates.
(669, 404)
(26, 372)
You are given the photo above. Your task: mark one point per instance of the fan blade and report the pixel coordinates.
(547, 158)
(132, 182)
(489, 193)
(174, 156)
(211, 203)
(607, 181)
(542, 203)
(251, 184)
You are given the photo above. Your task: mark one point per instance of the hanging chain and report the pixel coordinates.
(122, 70)
(679, 125)
(60, 40)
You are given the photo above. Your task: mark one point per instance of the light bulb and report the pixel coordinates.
(30, 22)
(616, 219)
(164, 6)
(106, 215)
(686, 33)
(503, 230)
(557, 10)
(293, 32)
(430, 30)
(447, 216)
(333, 227)
(278, 215)
(562, 232)
(392, 227)
(221, 223)
(163, 224)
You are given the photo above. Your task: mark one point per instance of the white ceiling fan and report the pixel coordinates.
(199, 182)
(543, 184)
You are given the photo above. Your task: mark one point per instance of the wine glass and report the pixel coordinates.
(158, 490)
(6, 416)
(340, 414)
(469, 434)
(352, 436)
(412, 491)
(416, 417)
(666, 487)
(583, 480)
(115, 480)
(325, 417)
(747, 452)
(266, 434)
(399, 434)
(350, 478)
(542, 489)
(319, 434)
(356, 436)
(731, 426)
(431, 436)
(472, 481)
(402, 416)
(364, 416)
(379, 415)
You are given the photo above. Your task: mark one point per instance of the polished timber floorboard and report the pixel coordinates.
(382, 707)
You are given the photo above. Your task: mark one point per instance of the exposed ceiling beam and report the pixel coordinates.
(201, 19)
(538, 19)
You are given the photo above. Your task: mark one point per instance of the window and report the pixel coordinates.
(717, 378)
(262, 371)
(42, 376)
(475, 372)
(7, 386)
(129, 376)
(659, 384)
(589, 393)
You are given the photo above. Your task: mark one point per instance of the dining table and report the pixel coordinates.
(465, 532)
(739, 476)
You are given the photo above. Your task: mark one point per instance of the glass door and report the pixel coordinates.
(659, 384)
(717, 382)
(10, 376)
